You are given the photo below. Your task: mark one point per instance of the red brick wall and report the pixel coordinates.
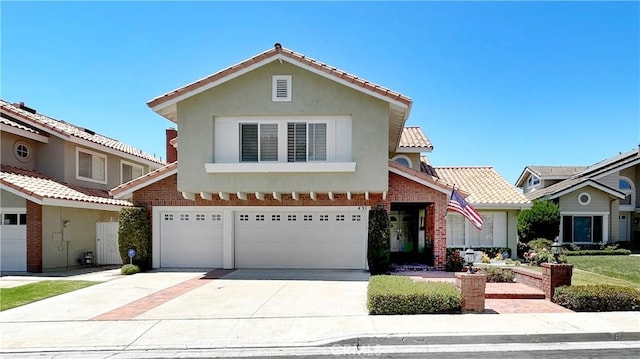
(34, 237)
(403, 190)
(171, 152)
(554, 276)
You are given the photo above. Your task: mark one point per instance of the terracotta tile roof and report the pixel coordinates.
(294, 56)
(41, 187)
(145, 180)
(8, 122)
(66, 129)
(485, 185)
(413, 137)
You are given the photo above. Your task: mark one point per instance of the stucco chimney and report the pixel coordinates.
(172, 148)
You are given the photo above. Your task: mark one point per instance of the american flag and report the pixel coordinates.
(458, 204)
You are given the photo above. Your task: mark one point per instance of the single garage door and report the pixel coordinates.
(13, 242)
(330, 238)
(191, 239)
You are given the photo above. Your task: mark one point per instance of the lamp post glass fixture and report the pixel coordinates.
(556, 250)
(469, 256)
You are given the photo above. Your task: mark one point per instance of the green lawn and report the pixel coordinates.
(616, 270)
(25, 294)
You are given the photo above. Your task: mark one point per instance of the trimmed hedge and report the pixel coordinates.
(389, 294)
(498, 274)
(599, 252)
(135, 232)
(129, 269)
(597, 298)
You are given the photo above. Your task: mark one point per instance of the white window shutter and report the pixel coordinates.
(281, 88)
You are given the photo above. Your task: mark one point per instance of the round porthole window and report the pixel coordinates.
(21, 151)
(584, 198)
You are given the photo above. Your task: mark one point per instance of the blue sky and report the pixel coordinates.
(506, 84)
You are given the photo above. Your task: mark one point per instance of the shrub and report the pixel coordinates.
(388, 294)
(539, 244)
(541, 221)
(379, 247)
(598, 298)
(498, 275)
(598, 252)
(455, 262)
(134, 232)
(540, 252)
(129, 269)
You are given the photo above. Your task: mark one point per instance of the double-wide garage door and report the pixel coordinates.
(265, 238)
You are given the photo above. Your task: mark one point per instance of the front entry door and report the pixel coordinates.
(623, 222)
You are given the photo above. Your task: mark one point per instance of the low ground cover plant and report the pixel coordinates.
(390, 294)
(28, 293)
(598, 298)
(129, 269)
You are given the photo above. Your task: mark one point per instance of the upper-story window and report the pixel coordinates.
(91, 166)
(533, 181)
(281, 88)
(305, 142)
(403, 160)
(626, 186)
(129, 171)
(22, 151)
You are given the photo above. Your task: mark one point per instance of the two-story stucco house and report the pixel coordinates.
(54, 184)
(598, 203)
(280, 159)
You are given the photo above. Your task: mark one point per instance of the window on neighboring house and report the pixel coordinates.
(281, 88)
(533, 181)
(91, 166)
(582, 229)
(306, 142)
(258, 142)
(626, 186)
(129, 171)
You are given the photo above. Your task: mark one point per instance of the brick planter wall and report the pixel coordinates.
(473, 288)
(530, 278)
(554, 276)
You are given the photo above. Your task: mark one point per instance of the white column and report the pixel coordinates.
(228, 249)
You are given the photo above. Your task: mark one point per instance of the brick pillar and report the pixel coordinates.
(172, 151)
(472, 287)
(34, 237)
(553, 276)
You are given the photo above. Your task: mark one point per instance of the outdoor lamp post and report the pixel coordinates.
(556, 250)
(469, 256)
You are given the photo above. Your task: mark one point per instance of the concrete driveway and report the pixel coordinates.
(240, 294)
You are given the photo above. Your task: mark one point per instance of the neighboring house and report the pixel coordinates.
(497, 201)
(54, 183)
(280, 159)
(598, 203)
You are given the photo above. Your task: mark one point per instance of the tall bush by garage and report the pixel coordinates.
(135, 232)
(379, 247)
(541, 221)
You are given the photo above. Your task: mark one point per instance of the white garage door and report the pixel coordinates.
(191, 239)
(13, 242)
(297, 238)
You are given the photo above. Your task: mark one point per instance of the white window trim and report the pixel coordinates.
(588, 198)
(605, 224)
(530, 181)
(88, 179)
(632, 206)
(29, 151)
(499, 229)
(274, 81)
(134, 165)
(394, 158)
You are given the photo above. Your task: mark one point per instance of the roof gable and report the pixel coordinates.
(567, 186)
(548, 172)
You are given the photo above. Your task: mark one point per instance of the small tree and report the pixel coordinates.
(379, 247)
(134, 232)
(541, 221)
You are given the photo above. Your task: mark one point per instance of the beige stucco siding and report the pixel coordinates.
(50, 158)
(312, 95)
(10, 200)
(512, 231)
(7, 143)
(79, 236)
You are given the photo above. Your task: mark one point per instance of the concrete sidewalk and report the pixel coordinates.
(262, 310)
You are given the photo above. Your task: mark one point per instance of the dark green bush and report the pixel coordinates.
(388, 295)
(134, 232)
(599, 252)
(129, 269)
(498, 274)
(542, 220)
(597, 298)
(454, 262)
(379, 247)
